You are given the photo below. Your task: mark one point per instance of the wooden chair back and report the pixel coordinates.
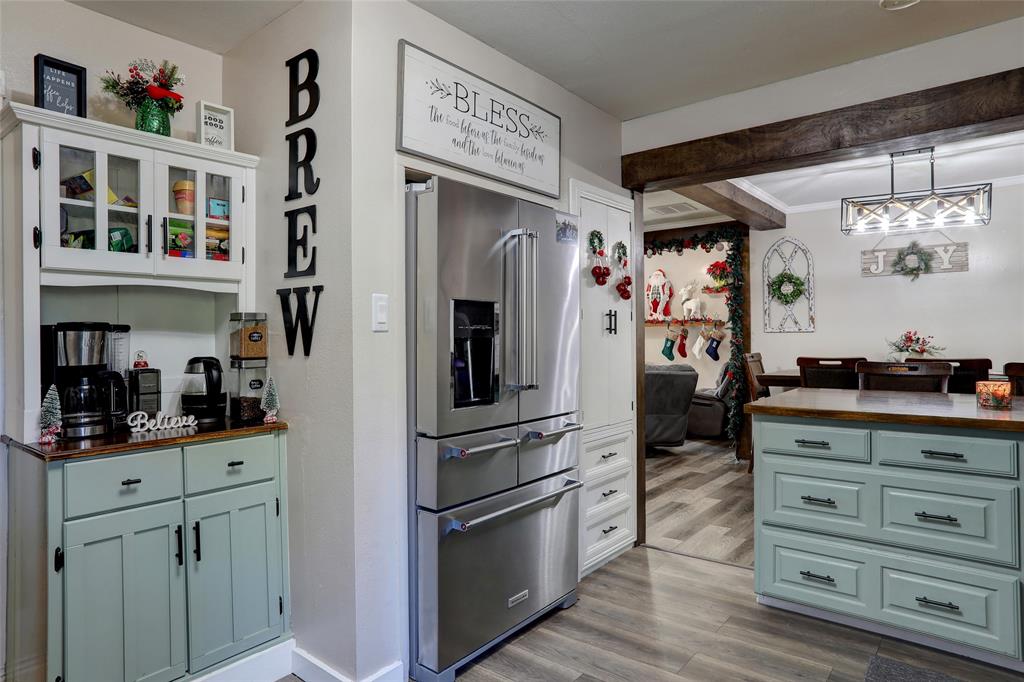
(754, 366)
(966, 372)
(829, 372)
(1015, 372)
(921, 377)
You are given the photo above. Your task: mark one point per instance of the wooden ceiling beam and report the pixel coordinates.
(737, 203)
(989, 105)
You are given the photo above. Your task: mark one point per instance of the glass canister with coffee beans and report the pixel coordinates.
(249, 336)
(250, 379)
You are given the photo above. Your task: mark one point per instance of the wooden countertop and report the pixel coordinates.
(891, 407)
(125, 442)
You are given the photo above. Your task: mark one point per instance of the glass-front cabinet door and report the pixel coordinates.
(199, 204)
(97, 204)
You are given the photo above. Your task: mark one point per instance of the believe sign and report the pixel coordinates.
(449, 115)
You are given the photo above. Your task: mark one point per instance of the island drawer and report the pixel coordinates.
(827, 500)
(987, 456)
(99, 485)
(823, 442)
(229, 463)
(970, 606)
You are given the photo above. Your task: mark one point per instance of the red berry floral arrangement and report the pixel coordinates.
(149, 92)
(600, 270)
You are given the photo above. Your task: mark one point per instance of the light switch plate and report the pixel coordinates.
(379, 312)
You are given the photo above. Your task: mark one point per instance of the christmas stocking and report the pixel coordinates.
(682, 343)
(712, 349)
(666, 349)
(698, 345)
(674, 332)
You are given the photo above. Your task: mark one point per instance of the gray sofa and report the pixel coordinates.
(668, 392)
(708, 413)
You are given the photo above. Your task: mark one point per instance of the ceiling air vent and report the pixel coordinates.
(674, 210)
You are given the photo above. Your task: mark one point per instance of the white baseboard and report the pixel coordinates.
(309, 668)
(268, 665)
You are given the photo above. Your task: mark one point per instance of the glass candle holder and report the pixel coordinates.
(994, 395)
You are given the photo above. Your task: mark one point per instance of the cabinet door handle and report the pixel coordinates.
(609, 455)
(817, 576)
(149, 234)
(180, 554)
(945, 605)
(609, 529)
(812, 443)
(937, 517)
(164, 233)
(818, 500)
(609, 493)
(236, 463)
(131, 481)
(198, 551)
(940, 453)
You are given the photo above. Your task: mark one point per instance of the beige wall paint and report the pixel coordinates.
(979, 313)
(97, 42)
(316, 392)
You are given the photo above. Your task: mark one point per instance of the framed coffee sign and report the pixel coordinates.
(452, 116)
(60, 86)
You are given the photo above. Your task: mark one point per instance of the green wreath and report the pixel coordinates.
(595, 240)
(912, 261)
(786, 288)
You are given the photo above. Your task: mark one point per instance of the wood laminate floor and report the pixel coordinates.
(700, 502)
(651, 616)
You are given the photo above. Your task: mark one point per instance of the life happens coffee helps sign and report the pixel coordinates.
(449, 115)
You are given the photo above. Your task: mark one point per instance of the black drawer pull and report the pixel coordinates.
(609, 529)
(947, 605)
(198, 551)
(131, 481)
(180, 554)
(818, 500)
(812, 443)
(940, 453)
(937, 517)
(609, 455)
(609, 493)
(236, 463)
(815, 576)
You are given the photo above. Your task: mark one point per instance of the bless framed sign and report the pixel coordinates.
(452, 116)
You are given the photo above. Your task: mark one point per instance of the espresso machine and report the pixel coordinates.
(74, 358)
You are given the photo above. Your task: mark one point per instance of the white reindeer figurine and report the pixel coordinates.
(692, 304)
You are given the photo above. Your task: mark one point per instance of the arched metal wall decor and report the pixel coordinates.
(788, 291)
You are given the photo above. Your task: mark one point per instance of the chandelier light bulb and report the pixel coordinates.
(861, 224)
(971, 218)
(912, 221)
(940, 219)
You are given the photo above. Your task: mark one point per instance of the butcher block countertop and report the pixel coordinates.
(891, 407)
(125, 442)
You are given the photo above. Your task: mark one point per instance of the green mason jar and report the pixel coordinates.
(152, 119)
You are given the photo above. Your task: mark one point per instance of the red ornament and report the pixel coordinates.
(626, 295)
(601, 281)
(627, 280)
(596, 271)
(606, 271)
(600, 252)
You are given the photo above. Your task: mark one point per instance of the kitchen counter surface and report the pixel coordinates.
(125, 442)
(893, 407)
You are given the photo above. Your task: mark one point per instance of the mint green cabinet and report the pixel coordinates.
(234, 572)
(124, 596)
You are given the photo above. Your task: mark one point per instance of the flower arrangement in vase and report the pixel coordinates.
(721, 274)
(149, 92)
(913, 344)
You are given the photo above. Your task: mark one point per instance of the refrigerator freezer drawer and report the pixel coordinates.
(548, 446)
(452, 471)
(485, 567)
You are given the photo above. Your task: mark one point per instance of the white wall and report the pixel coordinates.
(691, 265)
(979, 313)
(316, 392)
(980, 52)
(99, 43)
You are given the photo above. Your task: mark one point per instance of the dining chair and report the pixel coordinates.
(829, 372)
(754, 365)
(1015, 373)
(966, 372)
(920, 377)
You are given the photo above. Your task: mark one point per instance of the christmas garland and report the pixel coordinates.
(912, 261)
(734, 300)
(786, 295)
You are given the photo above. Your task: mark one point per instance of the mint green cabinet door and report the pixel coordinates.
(124, 596)
(234, 572)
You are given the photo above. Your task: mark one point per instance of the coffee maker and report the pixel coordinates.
(93, 398)
(201, 395)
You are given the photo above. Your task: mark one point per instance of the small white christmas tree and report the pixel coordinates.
(270, 403)
(49, 419)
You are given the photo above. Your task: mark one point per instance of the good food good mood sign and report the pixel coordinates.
(449, 115)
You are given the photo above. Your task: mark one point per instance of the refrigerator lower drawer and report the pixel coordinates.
(485, 567)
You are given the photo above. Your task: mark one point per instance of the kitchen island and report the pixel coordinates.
(894, 512)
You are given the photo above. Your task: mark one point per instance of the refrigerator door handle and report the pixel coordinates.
(522, 266)
(463, 453)
(541, 435)
(465, 526)
(533, 240)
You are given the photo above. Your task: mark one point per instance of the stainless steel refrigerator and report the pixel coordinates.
(493, 320)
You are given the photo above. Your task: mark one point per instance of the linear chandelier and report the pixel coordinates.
(932, 209)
